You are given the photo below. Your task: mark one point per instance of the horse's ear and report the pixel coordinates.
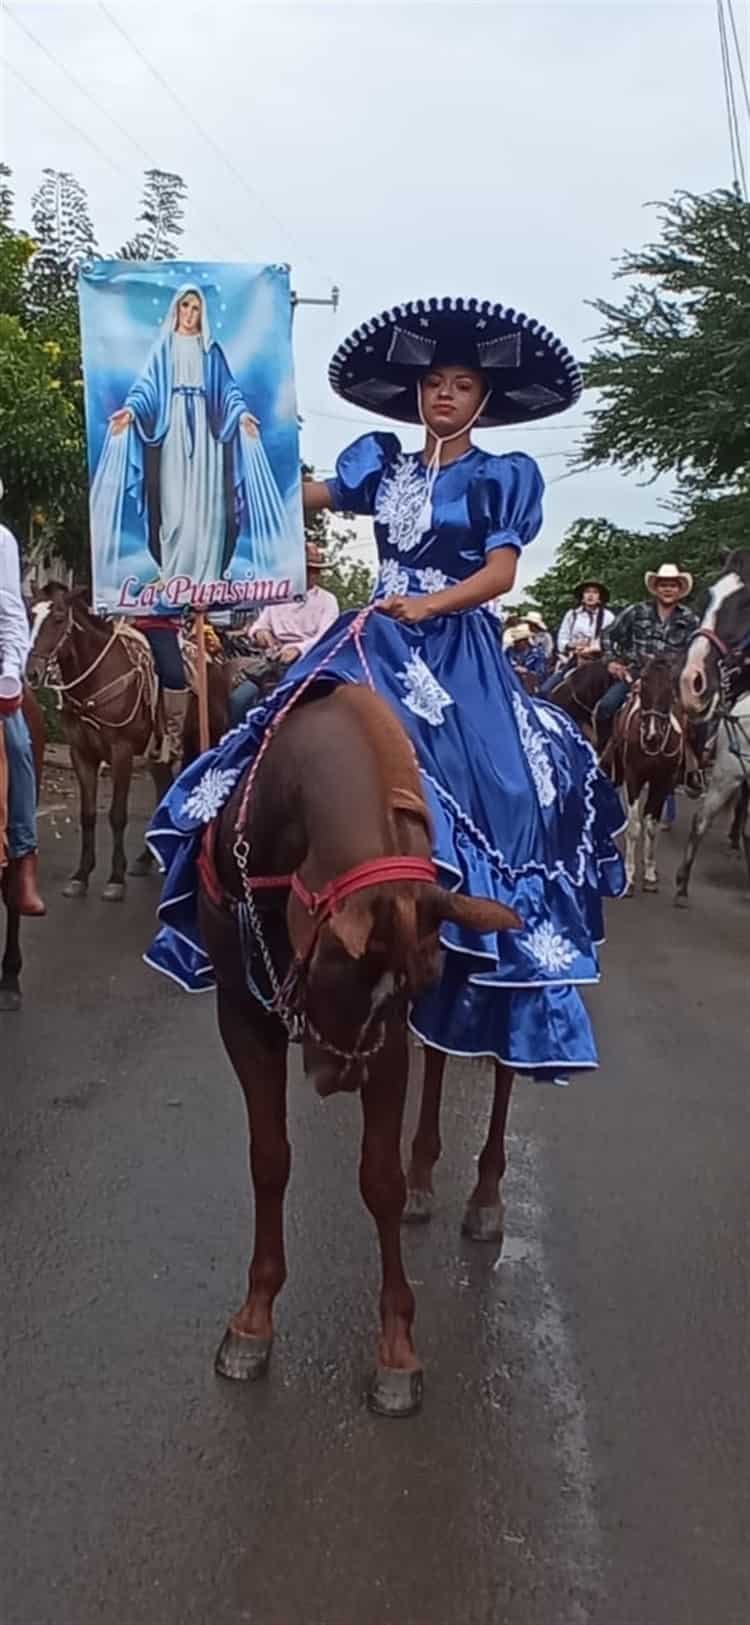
(480, 914)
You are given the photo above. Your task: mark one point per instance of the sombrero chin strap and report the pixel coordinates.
(433, 467)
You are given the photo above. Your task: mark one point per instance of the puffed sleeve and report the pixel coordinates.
(359, 471)
(505, 502)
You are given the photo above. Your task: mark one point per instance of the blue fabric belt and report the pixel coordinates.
(189, 391)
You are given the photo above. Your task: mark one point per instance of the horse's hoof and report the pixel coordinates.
(144, 865)
(483, 1223)
(651, 885)
(418, 1208)
(10, 999)
(395, 1393)
(242, 1357)
(76, 888)
(114, 891)
(680, 899)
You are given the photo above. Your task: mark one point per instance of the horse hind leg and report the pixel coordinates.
(483, 1219)
(395, 1389)
(426, 1146)
(161, 773)
(707, 810)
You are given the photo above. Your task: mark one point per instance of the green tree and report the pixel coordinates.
(347, 577)
(672, 361)
(64, 239)
(160, 222)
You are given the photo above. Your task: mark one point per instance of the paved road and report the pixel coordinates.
(583, 1452)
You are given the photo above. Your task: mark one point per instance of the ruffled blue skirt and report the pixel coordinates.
(521, 813)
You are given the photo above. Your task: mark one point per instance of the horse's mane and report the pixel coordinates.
(392, 748)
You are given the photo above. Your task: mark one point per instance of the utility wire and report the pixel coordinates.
(104, 111)
(65, 120)
(188, 113)
(735, 142)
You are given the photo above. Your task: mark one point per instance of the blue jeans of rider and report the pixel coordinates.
(612, 700)
(22, 836)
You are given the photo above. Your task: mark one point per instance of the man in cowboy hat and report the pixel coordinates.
(14, 648)
(580, 632)
(541, 637)
(661, 625)
(523, 653)
(285, 631)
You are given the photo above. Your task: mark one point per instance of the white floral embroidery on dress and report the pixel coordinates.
(424, 695)
(549, 721)
(208, 796)
(534, 746)
(550, 948)
(400, 504)
(431, 580)
(394, 579)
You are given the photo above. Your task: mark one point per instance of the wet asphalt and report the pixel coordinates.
(583, 1454)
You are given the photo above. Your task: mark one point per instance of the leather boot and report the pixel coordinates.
(22, 892)
(175, 710)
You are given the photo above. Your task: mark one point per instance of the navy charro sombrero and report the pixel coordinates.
(529, 372)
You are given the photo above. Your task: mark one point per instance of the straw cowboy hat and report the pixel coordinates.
(669, 572)
(535, 619)
(528, 373)
(517, 634)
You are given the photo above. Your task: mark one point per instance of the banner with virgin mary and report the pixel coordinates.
(195, 493)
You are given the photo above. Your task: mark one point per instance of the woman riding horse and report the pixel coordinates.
(512, 803)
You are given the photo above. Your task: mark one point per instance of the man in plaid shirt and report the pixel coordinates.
(662, 625)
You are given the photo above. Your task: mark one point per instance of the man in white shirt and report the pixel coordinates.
(14, 648)
(580, 632)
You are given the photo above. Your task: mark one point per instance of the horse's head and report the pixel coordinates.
(51, 624)
(723, 636)
(371, 959)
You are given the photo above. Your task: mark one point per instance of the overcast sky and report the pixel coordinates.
(504, 151)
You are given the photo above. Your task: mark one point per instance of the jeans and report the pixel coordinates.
(556, 677)
(241, 699)
(22, 836)
(610, 702)
(165, 648)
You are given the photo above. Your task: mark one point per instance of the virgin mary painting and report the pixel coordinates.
(187, 450)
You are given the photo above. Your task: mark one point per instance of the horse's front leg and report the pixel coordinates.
(257, 1047)
(632, 836)
(396, 1386)
(122, 772)
(86, 770)
(483, 1219)
(10, 977)
(651, 824)
(426, 1146)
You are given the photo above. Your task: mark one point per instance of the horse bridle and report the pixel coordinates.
(66, 689)
(731, 663)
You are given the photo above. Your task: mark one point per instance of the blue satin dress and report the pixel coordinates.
(520, 809)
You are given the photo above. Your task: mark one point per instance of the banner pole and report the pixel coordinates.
(201, 678)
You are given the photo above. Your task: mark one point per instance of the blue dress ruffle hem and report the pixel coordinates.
(521, 811)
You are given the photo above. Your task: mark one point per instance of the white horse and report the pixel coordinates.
(730, 778)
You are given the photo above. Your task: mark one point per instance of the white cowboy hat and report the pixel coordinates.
(535, 619)
(669, 572)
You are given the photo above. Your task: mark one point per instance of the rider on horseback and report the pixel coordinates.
(660, 625)
(580, 632)
(14, 648)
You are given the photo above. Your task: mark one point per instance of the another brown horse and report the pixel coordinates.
(12, 962)
(580, 692)
(108, 689)
(318, 893)
(647, 753)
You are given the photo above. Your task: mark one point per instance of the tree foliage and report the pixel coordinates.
(672, 362)
(159, 227)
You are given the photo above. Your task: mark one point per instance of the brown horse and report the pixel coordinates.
(646, 753)
(334, 933)
(108, 689)
(580, 692)
(12, 962)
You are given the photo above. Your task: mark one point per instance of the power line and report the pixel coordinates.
(188, 113)
(735, 141)
(532, 428)
(83, 91)
(65, 120)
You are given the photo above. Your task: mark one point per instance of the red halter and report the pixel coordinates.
(319, 905)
